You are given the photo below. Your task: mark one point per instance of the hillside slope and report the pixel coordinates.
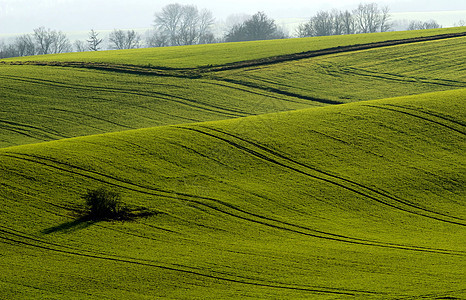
(49, 102)
(358, 200)
(193, 57)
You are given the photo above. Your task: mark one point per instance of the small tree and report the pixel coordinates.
(94, 41)
(104, 204)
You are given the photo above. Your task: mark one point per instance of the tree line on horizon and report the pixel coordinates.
(178, 25)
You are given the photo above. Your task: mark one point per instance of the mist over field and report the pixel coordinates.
(22, 16)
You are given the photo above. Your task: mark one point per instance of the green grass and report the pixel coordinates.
(219, 54)
(47, 103)
(42, 103)
(355, 200)
(252, 184)
(365, 75)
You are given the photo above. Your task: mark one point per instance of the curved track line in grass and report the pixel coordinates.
(276, 91)
(117, 124)
(159, 95)
(187, 197)
(262, 219)
(80, 113)
(330, 51)
(35, 243)
(423, 110)
(416, 116)
(399, 109)
(197, 72)
(380, 192)
(30, 130)
(333, 177)
(220, 82)
(402, 78)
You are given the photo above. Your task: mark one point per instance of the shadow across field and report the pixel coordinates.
(85, 221)
(67, 227)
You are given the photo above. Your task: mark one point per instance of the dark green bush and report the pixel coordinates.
(104, 204)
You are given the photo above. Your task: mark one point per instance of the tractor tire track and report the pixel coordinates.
(265, 91)
(158, 95)
(30, 130)
(333, 179)
(447, 119)
(277, 91)
(198, 72)
(430, 120)
(223, 207)
(401, 78)
(17, 238)
(328, 51)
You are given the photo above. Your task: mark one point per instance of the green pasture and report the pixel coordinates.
(365, 75)
(362, 200)
(219, 54)
(46, 103)
(41, 103)
(334, 177)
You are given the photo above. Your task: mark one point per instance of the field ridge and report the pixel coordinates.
(198, 72)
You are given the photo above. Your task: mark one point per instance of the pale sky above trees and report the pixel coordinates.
(22, 16)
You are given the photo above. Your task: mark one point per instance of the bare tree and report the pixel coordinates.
(367, 17)
(349, 26)
(328, 23)
(133, 39)
(323, 23)
(258, 27)
(206, 20)
(338, 22)
(156, 39)
(7, 50)
(94, 41)
(167, 21)
(44, 39)
(25, 45)
(385, 25)
(117, 39)
(80, 46)
(60, 43)
(184, 24)
(121, 39)
(51, 41)
(418, 25)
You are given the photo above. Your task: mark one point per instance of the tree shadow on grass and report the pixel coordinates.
(86, 220)
(67, 227)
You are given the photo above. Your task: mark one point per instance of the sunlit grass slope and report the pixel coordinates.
(42, 103)
(361, 200)
(219, 54)
(365, 75)
(47, 103)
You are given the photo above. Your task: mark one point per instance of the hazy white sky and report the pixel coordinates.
(22, 16)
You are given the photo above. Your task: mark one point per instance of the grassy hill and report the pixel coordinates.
(363, 199)
(227, 53)
(356, 200)
(48, 102)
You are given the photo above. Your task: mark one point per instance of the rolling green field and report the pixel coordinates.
(219, 54)
(340, 176)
